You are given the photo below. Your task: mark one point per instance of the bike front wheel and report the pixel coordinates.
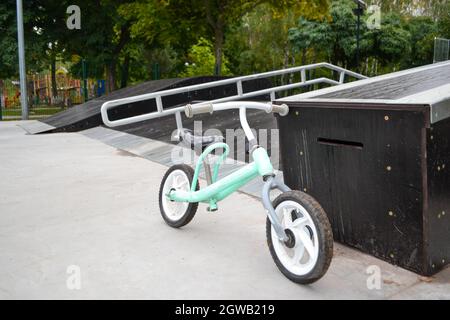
(306, 256)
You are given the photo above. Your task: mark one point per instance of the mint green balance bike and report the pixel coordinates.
(298, 232)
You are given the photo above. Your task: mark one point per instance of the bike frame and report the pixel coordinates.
(222, 188)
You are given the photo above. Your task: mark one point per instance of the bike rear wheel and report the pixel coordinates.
(177, 214)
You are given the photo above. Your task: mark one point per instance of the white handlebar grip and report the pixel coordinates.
(281, 110)
(191, 110)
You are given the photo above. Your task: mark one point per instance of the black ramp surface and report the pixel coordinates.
(397, 87)
(91, 108)
(69, 120)
(162, 129)
(87, 115)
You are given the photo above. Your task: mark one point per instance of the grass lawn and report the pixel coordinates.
(37, 112)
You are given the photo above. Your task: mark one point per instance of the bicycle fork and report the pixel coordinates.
(269, 185)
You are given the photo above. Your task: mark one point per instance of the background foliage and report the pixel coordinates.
(123, 40)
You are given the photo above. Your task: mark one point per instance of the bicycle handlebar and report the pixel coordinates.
(191, 110)
(282, 110)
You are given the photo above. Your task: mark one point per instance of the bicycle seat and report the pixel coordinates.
(195, 141)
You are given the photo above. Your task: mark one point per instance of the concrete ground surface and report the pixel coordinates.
(68, 200)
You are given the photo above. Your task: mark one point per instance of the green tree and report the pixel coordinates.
(403, 41)
(259, 42)
(180, 24)
(444, 21)
(162, 32)
(219, 15)
(103, 37)
(333, 38)
(390, 44)
(223, 14)
(202, 60)
(422, 30)
(430, 8)
(35, 43)
(49, 20)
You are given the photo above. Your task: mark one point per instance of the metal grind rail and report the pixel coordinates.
(238, 81)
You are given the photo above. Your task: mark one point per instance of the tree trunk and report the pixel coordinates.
(53, 72)
(218, 46)
(111, 77)
(365, 69)
(304, 57)
(285, 63)
(111, 73)
(125, 70)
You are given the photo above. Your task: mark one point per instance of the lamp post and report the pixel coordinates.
(1, 99)
(85, 82)
(23, 75)
(359, 11)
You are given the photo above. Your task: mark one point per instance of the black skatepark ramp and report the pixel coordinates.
(161, 124)
(87, 115)
(376, 155)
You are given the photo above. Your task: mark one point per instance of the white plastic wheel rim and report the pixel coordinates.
(301, 259)
(177, 180)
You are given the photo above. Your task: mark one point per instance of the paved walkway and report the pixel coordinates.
(70, 200)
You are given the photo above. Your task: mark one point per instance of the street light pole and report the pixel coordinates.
(1, 99)
(23, 75)
(358, 36)
(359, 11)
(85, 82)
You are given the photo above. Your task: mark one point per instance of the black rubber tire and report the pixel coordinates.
(191, 209)
(325, 237)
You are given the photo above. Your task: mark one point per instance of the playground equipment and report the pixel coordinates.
(298, 231)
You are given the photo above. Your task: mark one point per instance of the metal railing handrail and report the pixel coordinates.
(436, 39)
(238, 81)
